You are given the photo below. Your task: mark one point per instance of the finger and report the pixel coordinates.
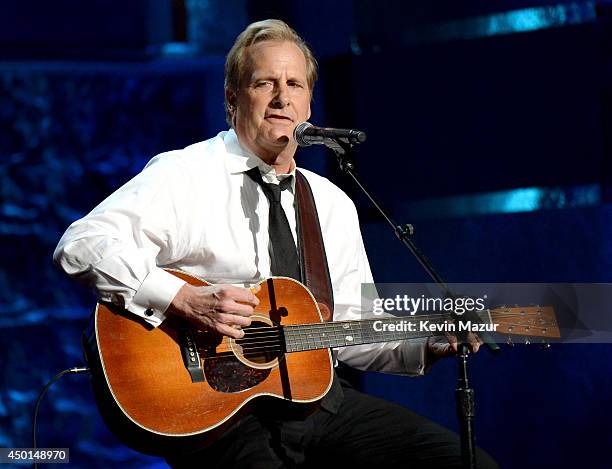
(242, 295)
(452, 341)
(231, 307)
(450, 350)
(229, 331)
(442, 350)
(232, 319)
(474, 342)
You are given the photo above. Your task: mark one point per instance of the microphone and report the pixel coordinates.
(306, 134)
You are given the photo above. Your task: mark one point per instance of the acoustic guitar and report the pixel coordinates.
(175, 387)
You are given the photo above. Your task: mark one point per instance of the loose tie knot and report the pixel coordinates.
(271, 191)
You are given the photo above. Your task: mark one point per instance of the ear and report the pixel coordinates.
(230, 97)
(232, 101)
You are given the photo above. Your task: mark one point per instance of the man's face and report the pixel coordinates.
(273, 97)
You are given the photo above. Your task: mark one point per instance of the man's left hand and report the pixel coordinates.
(437, 348)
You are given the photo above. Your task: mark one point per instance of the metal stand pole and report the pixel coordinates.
(464, 396)
(463, 393)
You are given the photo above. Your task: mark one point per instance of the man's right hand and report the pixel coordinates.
(222, 308)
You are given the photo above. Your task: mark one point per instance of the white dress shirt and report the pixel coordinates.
(197, 211)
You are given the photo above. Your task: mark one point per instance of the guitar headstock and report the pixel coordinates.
(531, 321)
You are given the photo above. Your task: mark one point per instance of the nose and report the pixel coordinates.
(281, 97)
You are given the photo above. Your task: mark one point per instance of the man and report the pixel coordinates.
(203, 210)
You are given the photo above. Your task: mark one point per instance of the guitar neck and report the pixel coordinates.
(299, 338)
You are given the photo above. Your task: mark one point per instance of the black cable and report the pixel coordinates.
(75, 370)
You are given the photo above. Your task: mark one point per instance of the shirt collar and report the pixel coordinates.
(240, 160)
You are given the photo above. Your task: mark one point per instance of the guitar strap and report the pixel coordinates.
(313, 261)
(314, 269)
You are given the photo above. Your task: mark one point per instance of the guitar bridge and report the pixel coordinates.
(191, 357)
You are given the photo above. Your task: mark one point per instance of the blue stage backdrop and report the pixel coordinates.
(489, 130)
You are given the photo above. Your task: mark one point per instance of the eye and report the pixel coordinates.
(295, 84)
(263, 84)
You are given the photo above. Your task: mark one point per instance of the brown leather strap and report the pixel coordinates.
(313, 261)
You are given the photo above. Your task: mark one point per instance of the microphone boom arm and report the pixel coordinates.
(342, 150)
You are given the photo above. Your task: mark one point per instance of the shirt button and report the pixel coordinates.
(149, 312)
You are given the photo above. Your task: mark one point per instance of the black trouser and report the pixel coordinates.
(365, 432)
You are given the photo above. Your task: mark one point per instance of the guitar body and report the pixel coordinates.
(156, 403)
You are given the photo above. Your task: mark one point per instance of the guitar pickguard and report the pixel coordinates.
(225, 373)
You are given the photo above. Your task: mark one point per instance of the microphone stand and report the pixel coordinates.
(464, 394)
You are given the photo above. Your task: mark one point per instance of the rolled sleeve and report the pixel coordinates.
(406, 357)
(119, 248)
(155, 295)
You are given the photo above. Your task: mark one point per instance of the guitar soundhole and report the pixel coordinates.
(261, 345)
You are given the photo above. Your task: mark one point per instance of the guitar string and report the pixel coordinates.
(249, 340)
(275, 340)
(256, 335)
(304, 346)
(279, 348)
(250, 332)
(249, 336)
(421, 317)
(495, 313)
(302, 341)
(331, 325)
(269, 349)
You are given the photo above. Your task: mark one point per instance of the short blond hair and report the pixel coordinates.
(266, 30)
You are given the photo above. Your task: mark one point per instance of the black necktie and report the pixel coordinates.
(284, 257)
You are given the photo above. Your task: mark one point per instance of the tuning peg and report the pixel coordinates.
(509, 341)
(527, 341)
(545, 345)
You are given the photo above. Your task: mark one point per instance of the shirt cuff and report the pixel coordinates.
(155, 295)
(415, 356)
(431, 358)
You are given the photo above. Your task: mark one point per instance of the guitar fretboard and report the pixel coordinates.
(303, 337)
